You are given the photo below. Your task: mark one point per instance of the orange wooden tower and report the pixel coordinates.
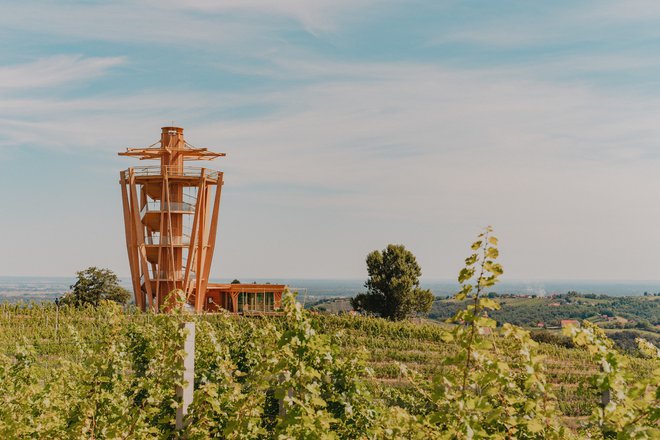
(171, 220)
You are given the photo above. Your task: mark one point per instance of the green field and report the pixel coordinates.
(626, 312)
(629, 317)
(112, 373)
(420, 347)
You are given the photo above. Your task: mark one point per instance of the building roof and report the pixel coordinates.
(246, 287)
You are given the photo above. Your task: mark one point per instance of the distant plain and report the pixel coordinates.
(16, 288)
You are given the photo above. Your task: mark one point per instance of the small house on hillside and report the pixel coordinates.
(569, 322)
(485, 331)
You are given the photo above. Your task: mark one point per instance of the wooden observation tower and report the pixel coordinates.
(171, 220)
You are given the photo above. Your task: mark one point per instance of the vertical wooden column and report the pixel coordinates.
(200, 255)
(212, 233)
(131, 245)
(192, 248)
(138, 228)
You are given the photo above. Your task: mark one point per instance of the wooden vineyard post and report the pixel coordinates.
(289, 394)
(57, 319)
(185, 390)
(605, 398)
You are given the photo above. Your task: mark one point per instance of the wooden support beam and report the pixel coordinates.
(131, 246)
(201, 255)
(211, 238)
(170, 236)
(161, 234)
(192, 249)
(139, 230)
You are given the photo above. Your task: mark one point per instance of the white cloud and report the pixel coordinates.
(356, 155)
(55, 70)
(631, 11)
(129, 22)
(544, 24)
(252, 25)
(315, 16)
(399, 149)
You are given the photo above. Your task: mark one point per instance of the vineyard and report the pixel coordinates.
(421, 347)
(111, 373)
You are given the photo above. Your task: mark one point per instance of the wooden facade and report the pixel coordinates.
(244, 298)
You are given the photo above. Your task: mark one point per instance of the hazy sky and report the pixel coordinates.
(347, 125)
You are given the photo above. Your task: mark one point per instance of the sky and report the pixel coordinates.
(347, 125)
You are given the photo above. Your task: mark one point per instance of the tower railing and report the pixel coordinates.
(165, 276)
(171, 170)
(157, 240)
(157, 206)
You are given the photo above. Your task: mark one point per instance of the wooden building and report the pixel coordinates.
(171, 222)
(244, 298)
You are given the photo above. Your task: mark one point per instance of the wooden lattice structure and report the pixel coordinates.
(171, 220)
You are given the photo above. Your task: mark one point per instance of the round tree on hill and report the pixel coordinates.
(393, 285)
(94, 285)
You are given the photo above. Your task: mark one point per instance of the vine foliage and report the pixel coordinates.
(111, 373)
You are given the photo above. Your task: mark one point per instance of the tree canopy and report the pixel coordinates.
(393, 290)
(93, 286)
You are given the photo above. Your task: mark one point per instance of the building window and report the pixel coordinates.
(256, 301)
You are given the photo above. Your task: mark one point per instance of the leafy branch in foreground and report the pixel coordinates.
(494, 386)
(631, 405)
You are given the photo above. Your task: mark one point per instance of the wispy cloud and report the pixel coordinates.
(55, 70)
(234, 24)
(545, 24)
(341, 153)
(372, 121)
(315, 16)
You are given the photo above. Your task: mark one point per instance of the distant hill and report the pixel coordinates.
(624, 318)
(638, 312)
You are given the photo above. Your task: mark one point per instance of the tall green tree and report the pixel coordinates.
(93, 286)
(393, 285)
